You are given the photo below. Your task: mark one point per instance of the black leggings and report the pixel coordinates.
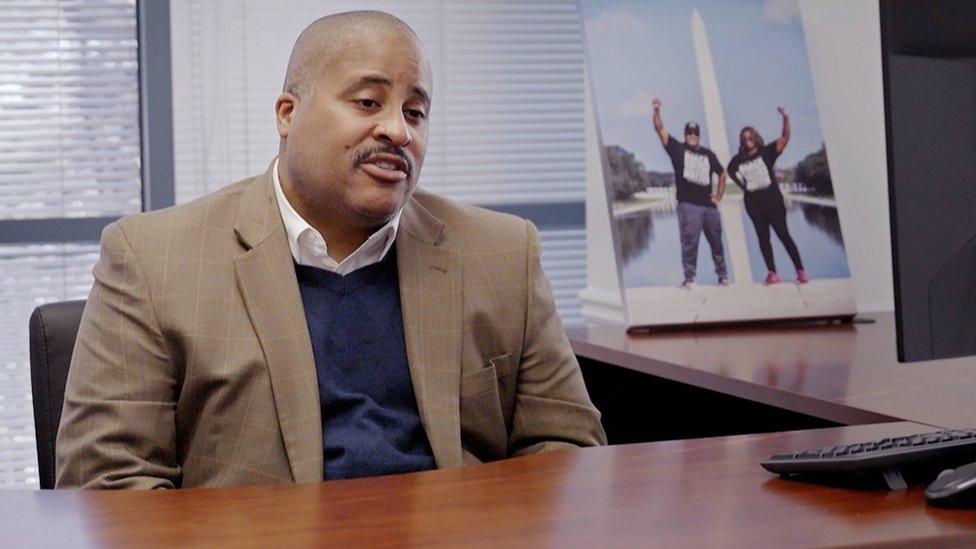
(767, 209)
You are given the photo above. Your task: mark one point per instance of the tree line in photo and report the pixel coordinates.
(628, 176)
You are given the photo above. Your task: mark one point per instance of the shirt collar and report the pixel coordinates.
(308, 247)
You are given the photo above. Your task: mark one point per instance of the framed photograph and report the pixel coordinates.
(721, 200)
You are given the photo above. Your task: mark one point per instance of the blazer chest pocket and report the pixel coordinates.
(483, 428)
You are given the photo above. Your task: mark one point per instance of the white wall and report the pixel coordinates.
(844, 44)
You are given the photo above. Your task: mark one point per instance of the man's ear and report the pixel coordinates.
(284, 108)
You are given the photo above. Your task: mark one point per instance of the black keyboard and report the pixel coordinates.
(890, 456)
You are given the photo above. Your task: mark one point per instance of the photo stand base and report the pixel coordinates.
(766, 323)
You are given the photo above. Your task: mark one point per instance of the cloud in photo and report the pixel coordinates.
(611, 23)
(780, 11)
(638, 106)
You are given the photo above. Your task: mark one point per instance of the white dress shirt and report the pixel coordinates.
(309, 248)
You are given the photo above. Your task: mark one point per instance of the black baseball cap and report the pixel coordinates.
(692, 127)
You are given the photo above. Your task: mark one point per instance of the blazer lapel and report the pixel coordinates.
(430, 299)
(266, 277)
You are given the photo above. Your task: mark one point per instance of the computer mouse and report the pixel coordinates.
(954, 488)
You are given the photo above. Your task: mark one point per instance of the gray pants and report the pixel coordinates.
(692, 220)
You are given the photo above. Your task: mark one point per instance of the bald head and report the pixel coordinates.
(353, 123)
(319, 46)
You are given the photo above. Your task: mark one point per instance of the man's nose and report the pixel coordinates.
(393, 128)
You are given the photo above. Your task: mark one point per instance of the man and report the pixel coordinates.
(693, 169)
(325, 319)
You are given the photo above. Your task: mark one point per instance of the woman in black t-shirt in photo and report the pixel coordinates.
(752, 169)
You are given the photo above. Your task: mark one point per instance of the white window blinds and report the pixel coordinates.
(30, 275)
(69, 148)
(564, 262)
(507, 121)
(69, 109)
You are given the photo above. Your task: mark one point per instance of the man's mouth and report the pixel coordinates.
(386, 167)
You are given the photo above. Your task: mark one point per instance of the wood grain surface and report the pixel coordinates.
(843, 373)
(682, 493)
(691, 493)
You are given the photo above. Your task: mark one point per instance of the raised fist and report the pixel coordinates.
(783, 111)
(656, 103)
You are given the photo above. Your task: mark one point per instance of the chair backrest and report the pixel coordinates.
(53, 329)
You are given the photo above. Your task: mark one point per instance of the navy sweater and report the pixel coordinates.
(370, 422)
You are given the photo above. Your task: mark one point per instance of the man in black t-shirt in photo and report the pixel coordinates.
(693, 169)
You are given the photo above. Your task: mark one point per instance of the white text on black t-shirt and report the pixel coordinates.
(754, 174)
(697, 169)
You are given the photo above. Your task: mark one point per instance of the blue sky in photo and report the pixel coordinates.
(639, 50)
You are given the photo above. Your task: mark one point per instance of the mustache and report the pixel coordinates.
(363, 154)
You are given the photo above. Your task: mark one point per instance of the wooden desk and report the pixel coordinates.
(846, 374)
(694, 493)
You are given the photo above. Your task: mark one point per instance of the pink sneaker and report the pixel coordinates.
(771, 278)
(801, 277)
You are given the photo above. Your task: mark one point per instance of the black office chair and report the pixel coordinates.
(53, 329)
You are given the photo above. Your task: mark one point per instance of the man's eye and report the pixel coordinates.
(367, 103)
(413, 113)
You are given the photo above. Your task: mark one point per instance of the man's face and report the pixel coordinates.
(693, 140)
(356, 142)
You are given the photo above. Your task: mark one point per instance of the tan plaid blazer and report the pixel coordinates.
(193, 365)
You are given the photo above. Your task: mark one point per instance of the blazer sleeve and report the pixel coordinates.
(552, 409)
(118, 425)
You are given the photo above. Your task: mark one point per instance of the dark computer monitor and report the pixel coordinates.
(929, 63)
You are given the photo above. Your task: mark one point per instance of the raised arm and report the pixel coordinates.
(785, 138)
(658, 123)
